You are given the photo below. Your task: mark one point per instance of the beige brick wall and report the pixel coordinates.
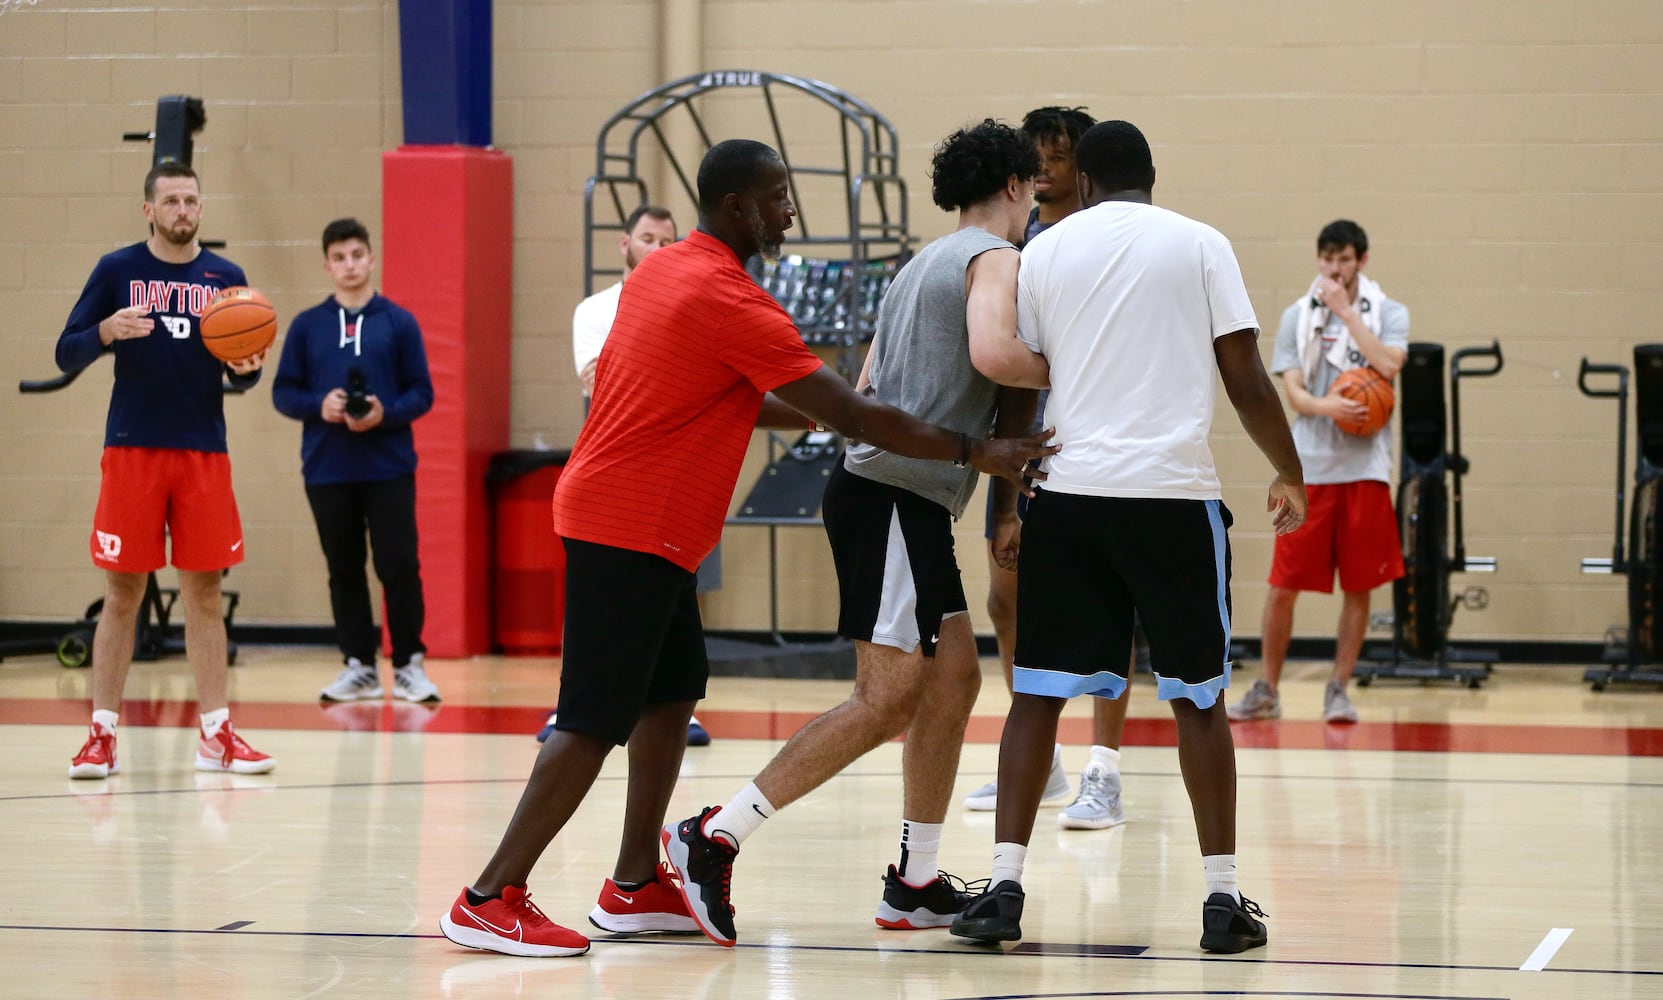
(1506, 158)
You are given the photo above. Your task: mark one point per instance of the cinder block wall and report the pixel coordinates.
(1506, 159)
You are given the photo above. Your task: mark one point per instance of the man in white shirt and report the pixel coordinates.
(647, 228)
(1131, 313)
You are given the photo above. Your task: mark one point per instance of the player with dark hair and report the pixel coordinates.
(699, 356)
(646, 229)
(166, 472)
(1131, 313)
(889, 519)
(1343, 321)
(354, 372)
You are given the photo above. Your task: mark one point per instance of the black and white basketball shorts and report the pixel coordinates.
(1089, 564)
(896, 574)
(633, 638)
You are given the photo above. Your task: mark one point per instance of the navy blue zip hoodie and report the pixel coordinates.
(168, 389)
(324, 344)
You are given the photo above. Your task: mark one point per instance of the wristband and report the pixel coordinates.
(964, 451)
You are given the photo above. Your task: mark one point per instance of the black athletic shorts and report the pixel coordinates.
(896, 573)
(633, 638)
(1088, 564)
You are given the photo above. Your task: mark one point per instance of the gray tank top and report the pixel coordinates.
(921, 364)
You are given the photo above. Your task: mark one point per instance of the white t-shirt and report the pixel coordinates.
(1124, 301)
(591, 322)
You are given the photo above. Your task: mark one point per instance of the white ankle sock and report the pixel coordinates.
(213, 721)
(741, 817)
(106, 718)
(1008, 860)
(920, 852)
(1220, 870)
(1107, 758)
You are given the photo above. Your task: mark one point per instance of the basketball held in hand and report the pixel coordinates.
(238, 323)
(1369, 387)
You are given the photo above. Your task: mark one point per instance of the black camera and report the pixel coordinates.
(357, 395)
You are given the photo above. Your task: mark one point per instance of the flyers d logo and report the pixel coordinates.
(109, 545)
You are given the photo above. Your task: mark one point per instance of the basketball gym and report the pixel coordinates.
(1485, 830)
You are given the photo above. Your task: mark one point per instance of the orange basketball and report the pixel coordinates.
(238, 323)
(1369, 387)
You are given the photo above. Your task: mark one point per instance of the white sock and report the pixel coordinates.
(920, 852)
(213, 721)
(1106, 758)
(106, 718)
(741, 817)
(1008, 859)
(1220, 870)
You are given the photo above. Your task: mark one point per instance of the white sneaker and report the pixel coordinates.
(1098, 805)
(410, 682)
(1336, 707)
(986, 798)
(355, 683)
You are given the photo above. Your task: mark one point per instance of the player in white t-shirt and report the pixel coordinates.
(645, 230)
(1131, 313)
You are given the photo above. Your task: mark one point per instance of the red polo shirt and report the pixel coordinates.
(695, 345)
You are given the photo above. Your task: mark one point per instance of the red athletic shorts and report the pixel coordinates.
(1349, 527)
(148, 489)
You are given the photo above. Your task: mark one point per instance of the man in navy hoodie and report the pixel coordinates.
(354, 372)
(165, 470)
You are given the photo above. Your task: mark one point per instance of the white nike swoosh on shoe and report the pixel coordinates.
(627, 899)
(513, 932)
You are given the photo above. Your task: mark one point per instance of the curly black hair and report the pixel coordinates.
(1056, 124)
(974, 164)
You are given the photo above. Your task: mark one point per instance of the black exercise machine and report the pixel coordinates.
(1422, 606)
(1641, 643)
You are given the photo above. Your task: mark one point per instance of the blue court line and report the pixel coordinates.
(963, 950)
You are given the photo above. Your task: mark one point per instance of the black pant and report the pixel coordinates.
(387, 509)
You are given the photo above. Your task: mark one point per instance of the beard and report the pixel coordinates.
(768, 242)
(183, 234)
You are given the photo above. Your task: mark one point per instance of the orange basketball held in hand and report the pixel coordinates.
(238, 323)
(1369, 387)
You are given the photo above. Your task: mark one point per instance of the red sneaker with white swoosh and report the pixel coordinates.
(512, 925)
(656, 906)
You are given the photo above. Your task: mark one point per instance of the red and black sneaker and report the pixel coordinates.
(97, 757)
(704, 866)
(656, 906)
(907, 907)
(509, 924)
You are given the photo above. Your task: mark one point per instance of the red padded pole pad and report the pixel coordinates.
(447, 255)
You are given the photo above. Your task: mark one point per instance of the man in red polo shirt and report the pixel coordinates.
(699, 355)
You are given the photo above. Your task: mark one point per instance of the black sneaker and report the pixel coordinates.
(995, 915)
(705, 867)
(905, 908)
(1228, 927)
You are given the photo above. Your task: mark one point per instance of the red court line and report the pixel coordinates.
(398, 716)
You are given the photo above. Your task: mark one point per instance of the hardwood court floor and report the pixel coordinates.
(1430, 851)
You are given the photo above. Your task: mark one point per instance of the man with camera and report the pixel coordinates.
(354, 372)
